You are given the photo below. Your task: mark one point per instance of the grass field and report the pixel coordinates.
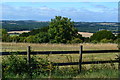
(56, 47)
(109, 70)
(63, 47)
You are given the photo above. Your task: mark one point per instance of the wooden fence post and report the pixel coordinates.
(119, 66)
(28, 60)
(119, 62)
(80, 59)
(28, 55)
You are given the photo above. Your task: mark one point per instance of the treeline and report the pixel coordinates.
(22, 25)
(93, 27)
(81, 26)
(60, 30)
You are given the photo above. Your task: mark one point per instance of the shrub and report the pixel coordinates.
(94, 41)
(76, 40)
(17, 65)
(102, 35)
(106, 41)
(30, 39)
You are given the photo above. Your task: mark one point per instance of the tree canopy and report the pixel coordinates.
(104, 34)
(62, 30)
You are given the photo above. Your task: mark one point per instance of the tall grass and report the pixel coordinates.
(57, 47)
(16, 67)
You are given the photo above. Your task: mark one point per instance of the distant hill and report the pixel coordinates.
(92, 27)
(22, 25)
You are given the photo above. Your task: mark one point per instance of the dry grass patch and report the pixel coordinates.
(56, 47)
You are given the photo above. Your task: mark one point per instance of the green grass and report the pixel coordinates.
(73, 73)
(106, 73)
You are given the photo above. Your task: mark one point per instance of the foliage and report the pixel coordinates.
(30, 39)
(62, 30)
(102, 35)
(17, 65)
(24, 34)
(118, 36)
(94, 41)
(14, 38)
(86, 39)
(22, 39)
(59, 30)
(76, 40)
(42, 37)
(22, 25)
(5, 36)
(34, 32)
(106, 41)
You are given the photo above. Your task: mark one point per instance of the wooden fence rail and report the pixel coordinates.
(81, 52)
(61, 52)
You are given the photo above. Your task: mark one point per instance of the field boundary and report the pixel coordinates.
(81, 52)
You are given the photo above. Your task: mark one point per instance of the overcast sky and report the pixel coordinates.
(45, 11)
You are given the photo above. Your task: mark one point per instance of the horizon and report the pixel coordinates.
(49, 21)
(76, 11)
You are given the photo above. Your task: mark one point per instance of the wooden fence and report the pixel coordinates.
(81, 52)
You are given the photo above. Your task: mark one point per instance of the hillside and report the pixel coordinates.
(92, 27)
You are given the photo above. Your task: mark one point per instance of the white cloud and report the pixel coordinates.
(45, 13)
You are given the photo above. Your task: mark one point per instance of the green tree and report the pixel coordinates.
(118, 36)
(30, 39)
(14, 38)
(62, 30)
(104, 34)
(22, 39)
(41, 37)
(34, 32)
(5, 36)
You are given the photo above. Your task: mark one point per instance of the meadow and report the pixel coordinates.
(57, 47)
(108, 70)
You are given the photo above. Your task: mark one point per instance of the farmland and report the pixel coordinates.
(63, 39)
(63, 47)
(57, 47)
(107, 73)
(81, 26)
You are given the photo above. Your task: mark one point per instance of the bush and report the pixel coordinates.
(106, 41)
(94, 41)
(17, 65)
(30, 39)
(104, 34)
(22, 39)
(76, 40)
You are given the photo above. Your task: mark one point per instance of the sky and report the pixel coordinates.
(45, 11)
(60, 0)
